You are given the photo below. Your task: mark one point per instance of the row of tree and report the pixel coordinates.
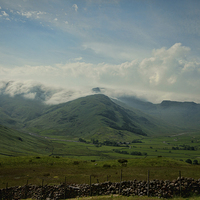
(136, 153)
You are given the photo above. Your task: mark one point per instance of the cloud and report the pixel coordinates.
(166, 65)
(31, 14)
(4, 13)
(38, 91)
(78, 59)
(169, 73)
(75, 7)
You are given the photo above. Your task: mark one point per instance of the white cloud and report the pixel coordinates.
(4, 13)
(168, 73)
(78, 59)
(27, 14)
(31, 14)
(75, 7)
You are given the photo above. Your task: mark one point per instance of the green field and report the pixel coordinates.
(53, 170)
(51, 160)
(180, 146)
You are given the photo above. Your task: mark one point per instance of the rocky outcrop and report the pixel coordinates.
(159, 188)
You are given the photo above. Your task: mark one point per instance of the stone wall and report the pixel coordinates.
(157, 188)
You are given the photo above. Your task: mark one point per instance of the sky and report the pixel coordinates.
(146, 48)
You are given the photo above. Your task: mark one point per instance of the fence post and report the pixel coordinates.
(120, 182)
(65, 189)
(26, 188)
(42, 189)
(180, 182)
(6, 193)
(148, 184)
(90, 186)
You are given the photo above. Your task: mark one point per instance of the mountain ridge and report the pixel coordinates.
(93, 116)
(182, 114)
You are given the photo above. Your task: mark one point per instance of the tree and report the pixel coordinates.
(195, 162)
(189, 161)
(122, 160)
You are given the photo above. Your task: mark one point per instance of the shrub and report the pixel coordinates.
(189, 161)
(46, 174)
(195, 162)
(122, 160)
(106, 166)
(137, 153)
(76, 162)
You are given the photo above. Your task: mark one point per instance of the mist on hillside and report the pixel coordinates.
(51, 94)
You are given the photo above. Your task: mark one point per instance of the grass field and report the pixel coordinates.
(18, 170)
(149, 147)
(73, 161)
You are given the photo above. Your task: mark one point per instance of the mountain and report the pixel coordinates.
(183, 114)
(95, 116)
(15, 111)
(92, 116)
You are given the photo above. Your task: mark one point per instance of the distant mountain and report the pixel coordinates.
(15, 111)
(94, 116)
(182, 114)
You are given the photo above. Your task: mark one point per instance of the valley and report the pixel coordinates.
(99, 128)
(95, 138)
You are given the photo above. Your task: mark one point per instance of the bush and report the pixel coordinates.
(137, 153)
(81, 140)
(189, 161)
(106, 166)
(122, 161)
(76, 162)
(195, 162)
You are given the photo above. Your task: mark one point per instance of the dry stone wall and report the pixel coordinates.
(158, 188)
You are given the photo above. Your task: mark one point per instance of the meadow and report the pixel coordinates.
(16, 171)
(77, 161)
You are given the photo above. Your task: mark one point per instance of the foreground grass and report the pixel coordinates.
(16, 171)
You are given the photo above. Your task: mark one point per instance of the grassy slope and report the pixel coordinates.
(11, 144)
(96, 117)
(15, 143)
(15, 111)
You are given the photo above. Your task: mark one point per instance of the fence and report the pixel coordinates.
(180, 187)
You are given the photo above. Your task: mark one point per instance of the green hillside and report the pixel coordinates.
(183, 114)
(97, 117)
(15, 111)
(15, 143)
